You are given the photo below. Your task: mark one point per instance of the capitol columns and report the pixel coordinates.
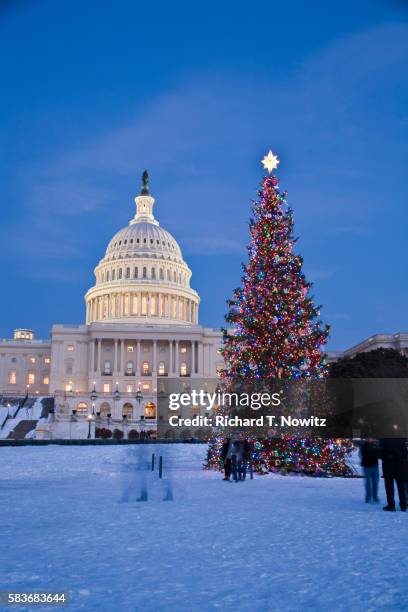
(193, 368)
(122, 357)
(200, 359)
(92, 356)
(98, 363)
(170, 372)
(177, 360)
(115, 365)
(154, 367)
(138, 364)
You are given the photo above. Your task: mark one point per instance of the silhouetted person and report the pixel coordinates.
(369, 462)
(393, 453)
(226, 455)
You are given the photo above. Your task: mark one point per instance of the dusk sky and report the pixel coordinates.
(93, 93)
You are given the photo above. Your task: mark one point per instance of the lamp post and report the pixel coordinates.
(94, 397)
(89, 425)
(116, 397)
(138, 398)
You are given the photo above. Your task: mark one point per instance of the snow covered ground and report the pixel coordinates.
(70, 521)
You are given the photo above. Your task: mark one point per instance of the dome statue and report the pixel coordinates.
(143, 276)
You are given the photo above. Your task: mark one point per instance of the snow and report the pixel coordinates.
(273, 543)
(26, 413)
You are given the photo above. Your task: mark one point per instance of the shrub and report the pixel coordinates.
(102, 432)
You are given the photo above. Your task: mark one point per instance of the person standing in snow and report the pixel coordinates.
(394, 454)
(227, 450)
(369, 462)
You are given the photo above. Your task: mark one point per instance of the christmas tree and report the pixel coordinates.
(276, 332)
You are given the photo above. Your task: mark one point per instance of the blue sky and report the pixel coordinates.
(93, 93)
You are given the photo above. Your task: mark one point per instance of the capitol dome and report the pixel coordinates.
(143, 276)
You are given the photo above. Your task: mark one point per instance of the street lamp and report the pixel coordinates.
(138, 396)
(94, 397)
(89, 425)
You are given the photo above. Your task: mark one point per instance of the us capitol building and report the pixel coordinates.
(141, 326)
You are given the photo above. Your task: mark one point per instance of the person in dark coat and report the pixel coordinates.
(226, 456)
(394, 454)
(369, 452)
(244, 457)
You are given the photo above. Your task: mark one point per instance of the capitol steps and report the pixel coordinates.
(22, 429)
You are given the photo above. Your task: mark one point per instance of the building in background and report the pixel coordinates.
(141, 326)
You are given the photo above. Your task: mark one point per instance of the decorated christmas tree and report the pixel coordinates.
(275, 331)
(276, 328)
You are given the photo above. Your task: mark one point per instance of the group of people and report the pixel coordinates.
(394, 456)
(235, 455)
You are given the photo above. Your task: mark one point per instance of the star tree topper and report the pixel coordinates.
(270, 161)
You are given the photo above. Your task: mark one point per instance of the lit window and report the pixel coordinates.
(47, 360)
(150, 411)
(31, 378)
(46, 380)
(145, 367)
(183, 369)
(106, 387)
(146, 387)
(183, 349)
(68, 386)
(161, 370)
(32, 360)
(130, 349)
(13, 377)
(129, 388)
(70, 348)
(82, 407)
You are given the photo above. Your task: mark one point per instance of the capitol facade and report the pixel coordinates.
(141, 326)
